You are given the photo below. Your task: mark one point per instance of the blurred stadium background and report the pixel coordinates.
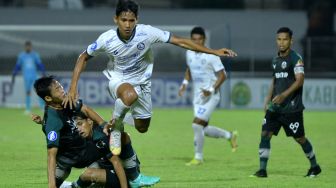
(61, 29)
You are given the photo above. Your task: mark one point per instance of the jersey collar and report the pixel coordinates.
(129, 40)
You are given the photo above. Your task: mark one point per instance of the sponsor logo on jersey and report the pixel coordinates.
(93, 46)
(52, 136)
(281, 75)
(141, 34)
(283, 64)
(141, 46)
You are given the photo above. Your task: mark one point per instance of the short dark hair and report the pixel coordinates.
(28, 43)
(285, 30)
(198, 30)
(42, 86)
(127, 5)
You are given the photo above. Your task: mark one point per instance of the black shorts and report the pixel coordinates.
(83, 159)
(111, 179)
(291, 122)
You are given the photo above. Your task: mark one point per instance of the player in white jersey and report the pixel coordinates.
(207, 74)
(129, 49)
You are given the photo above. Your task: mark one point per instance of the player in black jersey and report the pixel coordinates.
(66, 147)
(283, 105)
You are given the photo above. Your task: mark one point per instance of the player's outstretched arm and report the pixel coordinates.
(190, 45)
(93, 115)
(118, 167)
(79, 67)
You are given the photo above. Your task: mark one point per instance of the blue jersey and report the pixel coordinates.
(29, 63)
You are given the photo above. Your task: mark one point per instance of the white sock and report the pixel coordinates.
(216, 132)
(128, 119)
(120, 109)
(198, 140)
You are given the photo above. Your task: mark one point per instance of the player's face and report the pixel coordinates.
(284, 42)
(84, 127)
(198, 39)
(57, 92)
(126, 22)
(28, 48)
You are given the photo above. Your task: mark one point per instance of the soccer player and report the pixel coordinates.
(102, 171)
(29, 61)
(66, 148)
(207, 74)
(283, 105)
(129, 48)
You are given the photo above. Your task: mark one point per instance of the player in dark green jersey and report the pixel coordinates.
(283, 105)
(66, 148)
(102, 172)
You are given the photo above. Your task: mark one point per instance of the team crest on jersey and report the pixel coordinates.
(141, 46)
(93, 46)
(283, 64)
(52, 136)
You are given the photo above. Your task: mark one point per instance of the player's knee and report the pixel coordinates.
(142, 129)
(127, 94)
(301, 140)
(88, 175)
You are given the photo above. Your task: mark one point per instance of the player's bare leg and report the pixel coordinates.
(142, 124)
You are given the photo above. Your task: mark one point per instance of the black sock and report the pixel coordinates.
(264, 151)
(131, 163)
(308, 149)
(81, 183)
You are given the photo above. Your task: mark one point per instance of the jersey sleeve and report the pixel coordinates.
(18, 64)
(216, 63)
(157, 35)
(39, 64)
(97, 46)
(53, 127)
(298, 65)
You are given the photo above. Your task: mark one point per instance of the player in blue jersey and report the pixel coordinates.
(29, 62)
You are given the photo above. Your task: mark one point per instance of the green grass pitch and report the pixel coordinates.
(168, 145)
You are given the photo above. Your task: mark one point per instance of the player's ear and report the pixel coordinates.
(115, 19)
(47, 98)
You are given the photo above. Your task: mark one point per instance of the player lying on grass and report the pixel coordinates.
(102, 171)
(66, 148)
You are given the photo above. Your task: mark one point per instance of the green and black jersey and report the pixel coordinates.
(61, 132)
(284, 70)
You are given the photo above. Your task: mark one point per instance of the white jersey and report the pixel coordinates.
(203, 68)
(133, 59)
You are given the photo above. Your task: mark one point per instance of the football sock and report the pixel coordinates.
(130, 162)
(264, 151)
(216, 132)
(308, 149)
(81, 183)
(128, 119)
(198, 140)
(120, 110)
(28, 107)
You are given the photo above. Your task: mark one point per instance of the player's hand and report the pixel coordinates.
(109, 126)
(36, 118)
(70, 98)
(225, 52)
(182, 90)
(278, 99)
(208, 92)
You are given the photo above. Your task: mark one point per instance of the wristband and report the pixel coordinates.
(185, 82)
(211, 90)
